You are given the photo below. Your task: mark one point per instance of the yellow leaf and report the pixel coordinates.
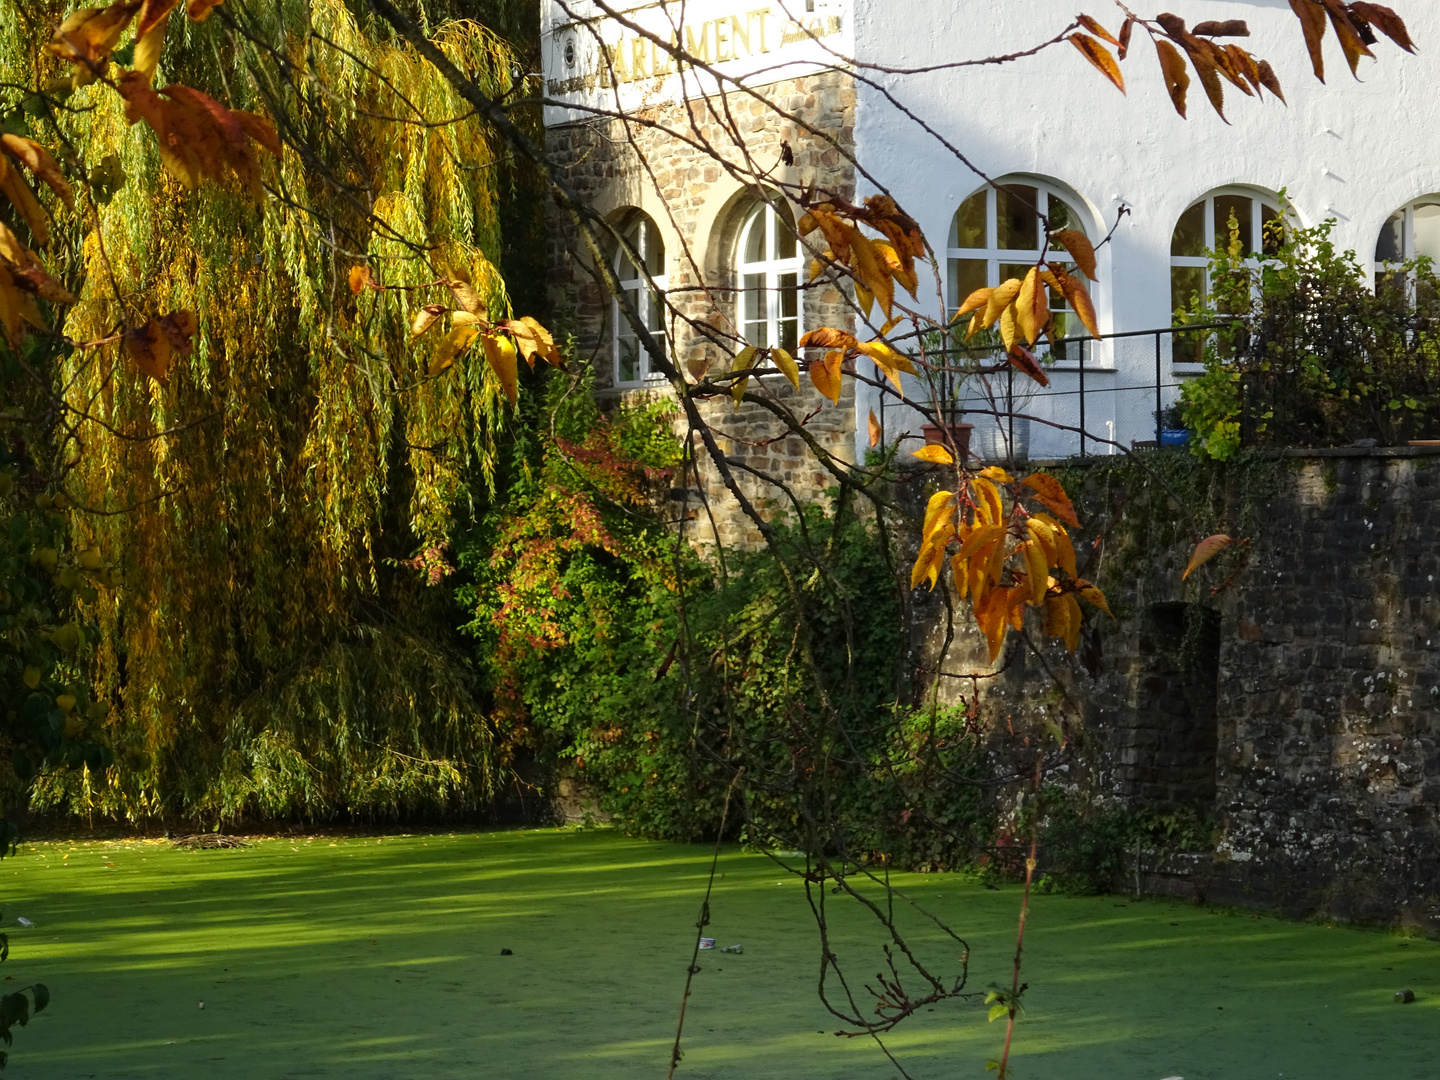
(1050, 493)
(1042, 534)
(147, 50)
(938, 513)
(980, 539)
(500, 352)
(1080, 248)
(999, 475)
(38, 160)
(1101, 57)
(14, 188)
(1038, 572)
(1073, 621)
(870, 268)
(451, 346)
(936, 455)
(17, 307)
(466, 296)
(960, 571)
(1092, 595)
(468, 318)
(1009, 327)
(425, 318)
(1057, 617)
(546, 342)
(826, 375)
(1000, 299)
(886, 356)
(786, 363)
(865, 297)
(992, 616)
(199, 10)
(1206, 550)
(359, 279)
(744, 361)
(976, 301)
(1025, 307)
(990, 497)
(873, 426)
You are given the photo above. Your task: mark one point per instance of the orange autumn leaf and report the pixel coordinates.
(825, 374)
(1206, 550)
(1050, 493)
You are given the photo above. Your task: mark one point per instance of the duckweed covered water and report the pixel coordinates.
(380, 959)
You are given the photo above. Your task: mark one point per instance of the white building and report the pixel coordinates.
(1045, 128)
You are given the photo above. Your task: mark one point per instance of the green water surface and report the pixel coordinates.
(371, 958)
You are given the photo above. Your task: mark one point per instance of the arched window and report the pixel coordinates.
(1206, 225)
(1411, 232)
(996, 234)
(633, 363)
(768, 266)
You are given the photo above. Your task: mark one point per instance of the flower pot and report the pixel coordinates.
(954, 437)
(995, 438)
(1174, 436)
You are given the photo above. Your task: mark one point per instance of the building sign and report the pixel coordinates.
(747, 35)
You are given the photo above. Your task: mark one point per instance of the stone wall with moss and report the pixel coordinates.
(1289, 690)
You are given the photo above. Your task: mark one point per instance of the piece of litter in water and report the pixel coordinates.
(1404, 997)
(23, 921)
(202, 1004)
(733, 948)
(707, 943)
(506, 952)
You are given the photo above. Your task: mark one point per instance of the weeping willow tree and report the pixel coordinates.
(266, 644)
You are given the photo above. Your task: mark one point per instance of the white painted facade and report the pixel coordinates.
(1352, 151)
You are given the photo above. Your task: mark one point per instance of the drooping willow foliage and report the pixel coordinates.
(263, 651)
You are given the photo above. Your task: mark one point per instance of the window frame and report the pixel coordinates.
(994, 256)
(1385, 267)
(1260, 200)
(642, 228)
(771, 269)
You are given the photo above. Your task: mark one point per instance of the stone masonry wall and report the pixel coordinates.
(1299, 705)
(699, 207)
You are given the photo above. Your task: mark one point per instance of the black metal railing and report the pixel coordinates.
(1105, 394)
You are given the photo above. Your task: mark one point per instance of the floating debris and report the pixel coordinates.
(209, 840)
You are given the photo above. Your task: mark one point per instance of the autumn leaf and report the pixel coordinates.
(1092, 595)
(873, 427)
(976, 301)
(936, 455)
(1227, 28)
(1177, 78)
(1078, 297)
(826, 337)
(500, 352)
(88, 36)
(178, 328)
(532, 340)
(451, 346)
(38, 160)
(786, 363)
(17, 307)
(1100, 57)
(1050, 493)
(14, 188)
(1037, 572)
(258, 128)
(1095, 28)
(1022, 359)
(424, 318)
(1000, 299)
(150, 34)
(1080, 248)
(1351, 43)
(744, 361)
(360, 277)
(1312, 21)
(1032, 295)
(825, 374)
(1126, 29)
(149, 347)
(199, 10)
(1206, 550)
(1386, 21)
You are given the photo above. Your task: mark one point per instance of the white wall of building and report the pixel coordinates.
(1348, 150)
